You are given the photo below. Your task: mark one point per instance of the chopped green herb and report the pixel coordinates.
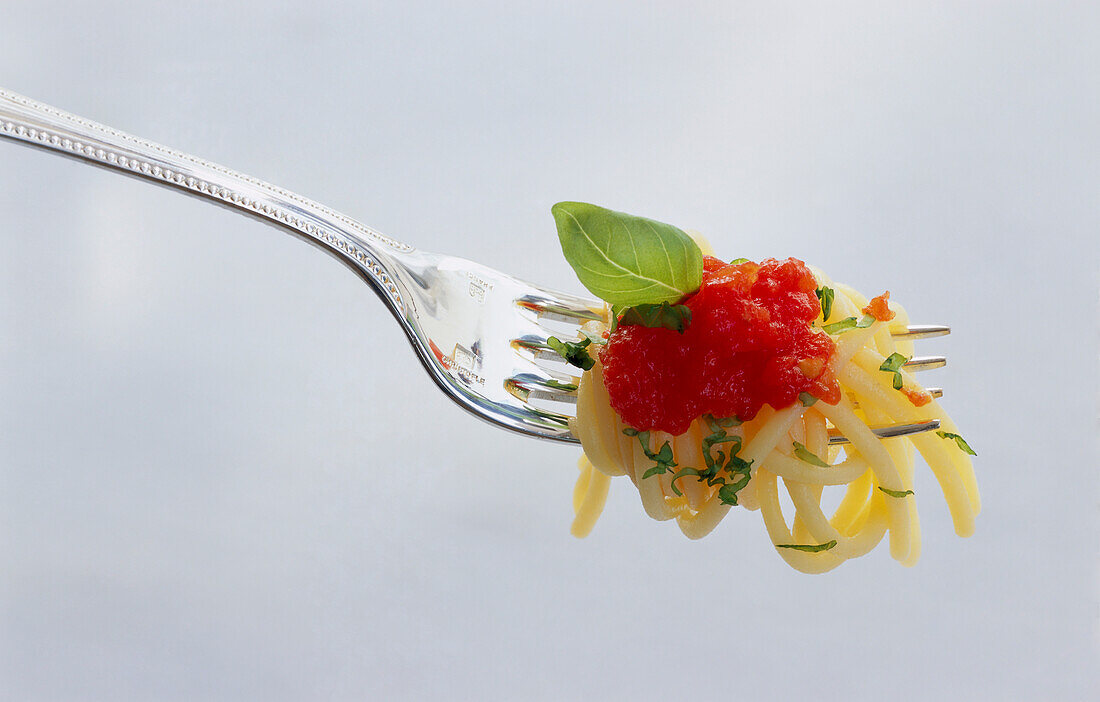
(825, 297)
(683, 472)
(572, 351)
(627, 260)
(724, 467)
(738, 261)
(630, 431)
(728, 493)
(662, 316)
(961, 442)
(808, 456)
(806, 399)
(594, 338)
(895, 493)
(809, 548)
(893, 364)
(658, 469)
(849, 323)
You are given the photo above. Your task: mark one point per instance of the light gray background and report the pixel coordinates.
(224, 476)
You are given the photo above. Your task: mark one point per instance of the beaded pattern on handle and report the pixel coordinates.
(228, 195)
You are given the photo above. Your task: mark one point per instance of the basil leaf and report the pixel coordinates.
(728, 494)
(806, 399)
(573, 352)
(825, 296)
(594, 338)
(627, 260)
(843, 325)
(662, 316)
(809, 548)
(896, 493)
(893, 363)
(808, 456)
(849, 323)
(682, 473)
(659, 469)
(738, 261)
(961, 442)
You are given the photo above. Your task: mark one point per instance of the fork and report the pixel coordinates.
(480, 334)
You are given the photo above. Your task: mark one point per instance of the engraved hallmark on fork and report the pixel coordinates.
(460, 363)
(478, 286)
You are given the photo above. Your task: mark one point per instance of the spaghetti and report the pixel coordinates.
(789, 446)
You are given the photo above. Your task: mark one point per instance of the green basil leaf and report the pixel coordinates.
(843, 325)
(594, 338)
(806, 399)
(664, 455)
(895, 493)
(849, 323)
(655, 470)
(808, 456)
(897, 382)
(573, 352)
(682, 473)
(809, 548)
(662, 316)
(738, 261)
(893, 363)
(627, 260)
(959, 441)
(728, 494)
(825, 296)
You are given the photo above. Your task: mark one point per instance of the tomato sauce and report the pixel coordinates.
(750, 343)
(879, 307)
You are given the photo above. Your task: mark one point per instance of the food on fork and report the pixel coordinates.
(709, 382)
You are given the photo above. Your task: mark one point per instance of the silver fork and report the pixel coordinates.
(481, 334)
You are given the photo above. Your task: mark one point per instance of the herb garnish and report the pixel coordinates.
(809, 548)
(893, 364)
(825, 296)
(961, 442)
(594, 338)
(738, 261)
(896, 493)
(573, 352)
(666, 316)
(627, 260)
(805, 454)
(727, 470)
(806, 399)
(663, 456)
(849, 323)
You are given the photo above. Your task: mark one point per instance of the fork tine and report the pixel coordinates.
(532, 388)
(888, 431)
(558, 310)
(922, 331)
(919, 363)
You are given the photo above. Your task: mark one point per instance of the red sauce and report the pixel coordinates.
(750, 342)
(879, 307)
(919, 398)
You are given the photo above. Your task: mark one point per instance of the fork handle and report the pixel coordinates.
(369, 253)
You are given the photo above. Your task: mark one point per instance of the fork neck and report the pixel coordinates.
(374, 256)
